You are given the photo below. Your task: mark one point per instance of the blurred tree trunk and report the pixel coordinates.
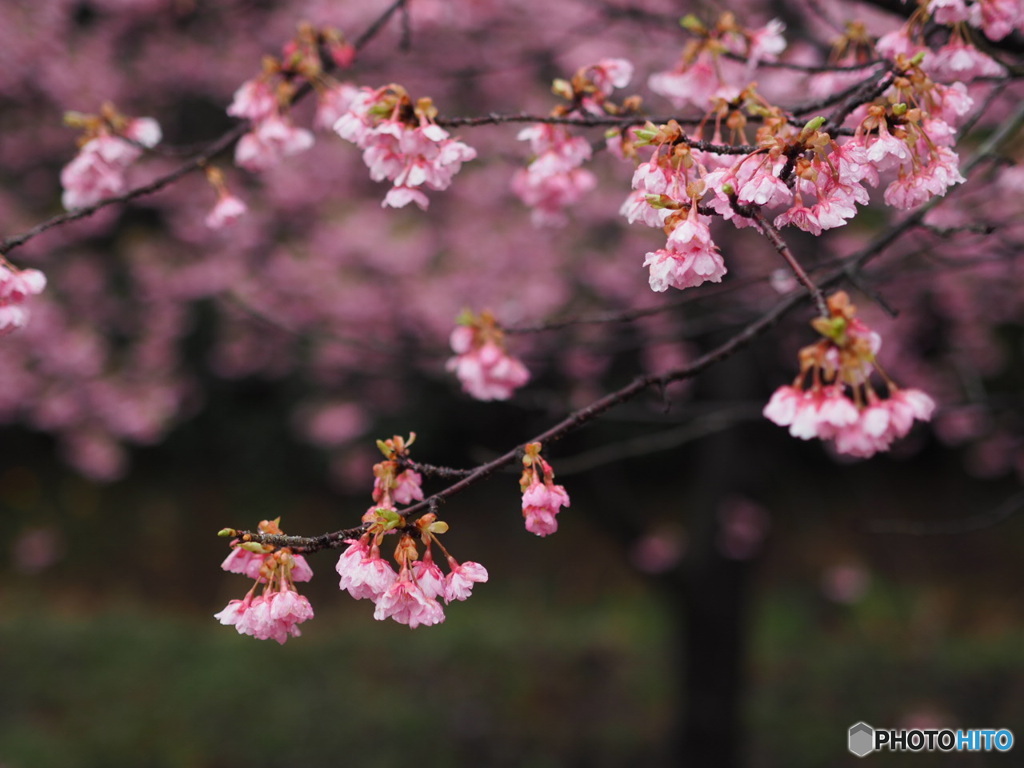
(710, 593)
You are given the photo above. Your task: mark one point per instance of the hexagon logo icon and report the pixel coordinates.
(861, 739)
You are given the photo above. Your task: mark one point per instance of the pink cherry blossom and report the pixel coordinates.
(226, 212)
(766, 43)
(958, 60)
(15, 288)
(410, 156)
(553, 181)
(952, 11)
(461, 578)
(429, 577)
(98, 171)
(693, 83)
(685, 268)
(254, 100)
(609, 74)
(406, 603)
(272, 139)
(487, 372)
(272, 616)
(243, 561)
(1001, 17)
(332, 103)
(541, 503)
(364, 573)
(407, 487)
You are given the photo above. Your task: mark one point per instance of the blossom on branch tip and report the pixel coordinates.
(278, 609)
(860, 423)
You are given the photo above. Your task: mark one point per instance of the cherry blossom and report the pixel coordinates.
(15, 287)
(861, 423)
(405, 602)
(364, 573)
(226, 212)
(483, 367)
(460, 579)
(410, 153)
(553, 181)
(272, 139)
(98, 170)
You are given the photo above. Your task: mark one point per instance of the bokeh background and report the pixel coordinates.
(718, 593)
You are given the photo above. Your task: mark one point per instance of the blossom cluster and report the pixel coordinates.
(542, 499)
(402, 144)
(554, 180)
(861, 423)
(481, 363)
(996, 18)
(818, 176)
(391, 484)
(666, 194)
(702, 74)
(16, 285)
(411, 595)
(265, 101)
(111, 142)
(278, 609)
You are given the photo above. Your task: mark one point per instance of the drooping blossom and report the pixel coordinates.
(277, 610)
(16, 285)
(553, 181)
(98, 170)
(331, 103)
(690, 258)
(270, 616)
(401, 144)
(841, 405)
(542, 499)
(254, 100)
(459, 582)
(226, 211)
(392, 484)
(405, 602)
(428, 576)
(271, 139)
(541, 505)
(364, 573)
(695, 83)
(482, 364)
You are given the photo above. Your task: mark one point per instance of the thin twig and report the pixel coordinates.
(775, 238)
(197, 162)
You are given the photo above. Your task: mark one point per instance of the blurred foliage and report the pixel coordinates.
(541, 683)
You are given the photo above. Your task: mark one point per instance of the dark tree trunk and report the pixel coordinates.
(712, 591)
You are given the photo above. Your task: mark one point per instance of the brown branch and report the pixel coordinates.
(775, 238)
(569, 424)
(195, 163)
